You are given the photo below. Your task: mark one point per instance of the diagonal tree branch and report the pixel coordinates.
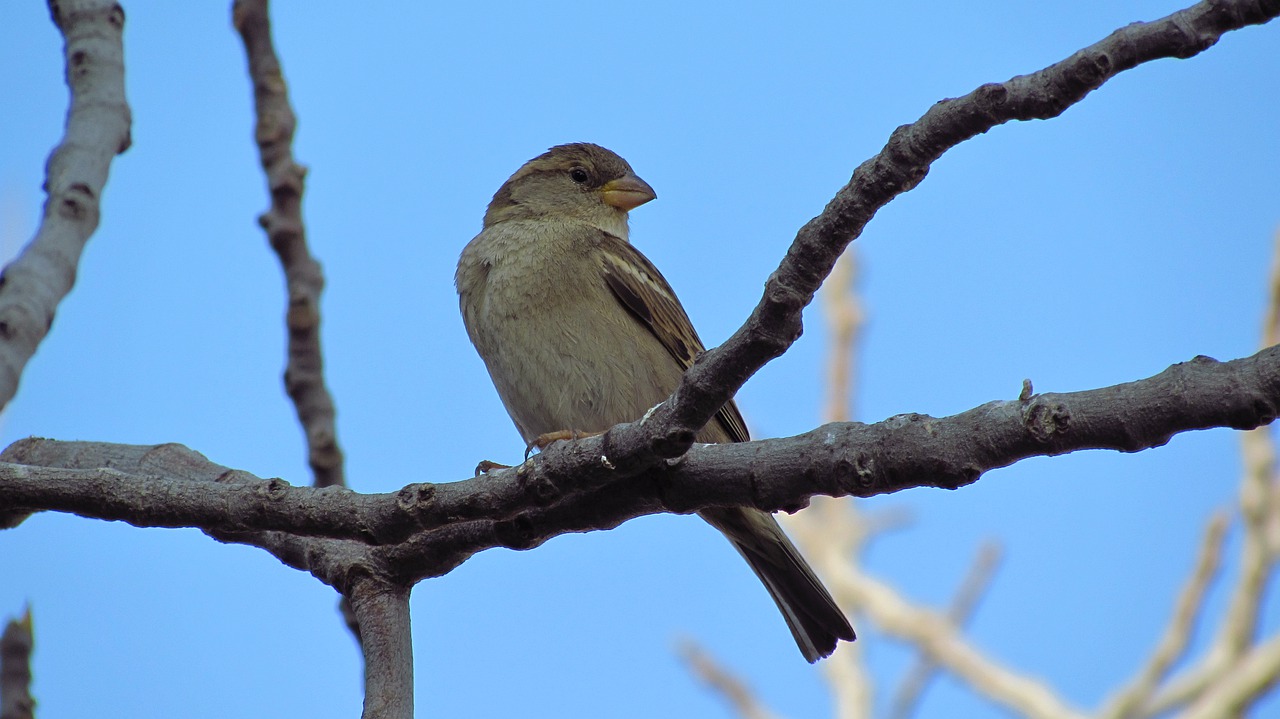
(304, 375)
(740, 696)
(97, 130)
(775, 323)
(939, 640)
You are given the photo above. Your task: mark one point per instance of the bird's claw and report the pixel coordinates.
(486, 466)
(543, 441)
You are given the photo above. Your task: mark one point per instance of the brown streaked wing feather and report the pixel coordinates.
(642, 289)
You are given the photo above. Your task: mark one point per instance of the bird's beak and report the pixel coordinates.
(627, 193)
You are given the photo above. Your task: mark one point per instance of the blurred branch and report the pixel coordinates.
(1260, 550)
(832, 531)
(842, 530)
(1232, 694)
(971, 591)
(304, 375)
(842, 308)
(16, 644)
(97, 130)
(833, 534)
(938, 639)
(734, 690)
(1129, 701)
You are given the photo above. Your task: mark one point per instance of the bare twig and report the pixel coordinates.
(97, 130)
(723, 682)
(971, 591)
(304, 375)
(16, 644)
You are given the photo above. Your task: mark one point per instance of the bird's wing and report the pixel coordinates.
(642, 289)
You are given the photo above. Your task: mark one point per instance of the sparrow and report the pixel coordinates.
(580, 332)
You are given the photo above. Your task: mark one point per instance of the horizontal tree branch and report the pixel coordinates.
(119, 482)
(571, 488)
(428, 529)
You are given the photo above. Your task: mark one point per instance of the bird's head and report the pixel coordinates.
(581, 181)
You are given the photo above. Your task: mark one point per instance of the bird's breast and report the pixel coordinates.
(562, 351)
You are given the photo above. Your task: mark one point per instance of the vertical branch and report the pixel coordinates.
(382, 611)
(16, 644)
(97, 130)
(845, 317)
(304, 374)
(840, 521)
(304, 278)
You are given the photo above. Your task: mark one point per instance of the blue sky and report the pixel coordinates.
(1133, 232)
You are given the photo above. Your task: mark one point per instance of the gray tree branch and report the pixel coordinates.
(304, 279)
(16, 643)
(429, 529)
(33, 285)
(382, 611)
(775, 323)
(373, 547)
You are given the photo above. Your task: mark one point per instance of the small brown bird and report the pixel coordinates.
(580, 332)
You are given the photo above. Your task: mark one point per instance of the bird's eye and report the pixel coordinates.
(579, 175)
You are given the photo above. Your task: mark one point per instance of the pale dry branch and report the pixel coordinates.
(723, 682)
(1231, 695)
(845, 317)
(97, 130)
(938, 639)
(1258, 492)
(833, 534)
(836, 530)
(972, 589)
(1129, 701)
(304, 280)
(1260, 510)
